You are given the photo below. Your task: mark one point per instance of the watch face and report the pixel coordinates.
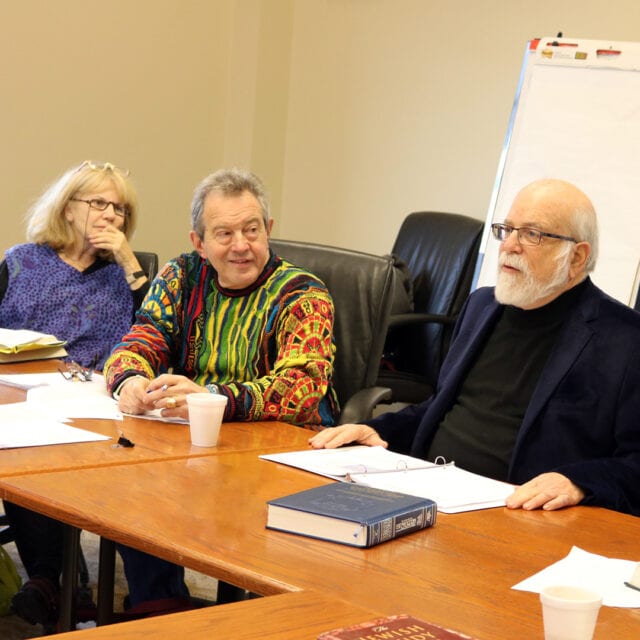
(131, 278)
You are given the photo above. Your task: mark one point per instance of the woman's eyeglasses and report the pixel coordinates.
(100, 204)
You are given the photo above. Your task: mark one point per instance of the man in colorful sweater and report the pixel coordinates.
(231, 318)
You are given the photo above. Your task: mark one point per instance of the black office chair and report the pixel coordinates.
(440, 251)
(361, 286)
(149, 263)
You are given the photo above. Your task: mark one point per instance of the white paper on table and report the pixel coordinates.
(30, 380)
(75, 399)
(338, 463)
(589, 571)
(155, 414)
(454, 490)
(22, 425)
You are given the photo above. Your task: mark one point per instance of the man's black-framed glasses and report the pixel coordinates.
(526, 235)
(100, 204)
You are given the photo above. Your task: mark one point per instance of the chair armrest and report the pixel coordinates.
(359, 407)
(407, 319)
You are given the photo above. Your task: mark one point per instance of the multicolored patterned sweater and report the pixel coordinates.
(269, 348)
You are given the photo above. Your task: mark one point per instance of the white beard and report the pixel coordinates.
(522, 289)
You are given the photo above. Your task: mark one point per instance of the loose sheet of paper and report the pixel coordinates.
(22, 425)
(156, 414)
(590, 571)
(30, 380)
(76, 399)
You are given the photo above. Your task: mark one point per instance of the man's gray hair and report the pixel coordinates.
(584, 228)
(576, 208)
(228, 183)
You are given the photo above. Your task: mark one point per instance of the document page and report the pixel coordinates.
(454, 490)
(339, 463)
(69, 399)
(24, 426)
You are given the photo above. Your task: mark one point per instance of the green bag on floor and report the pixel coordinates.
(10, 581)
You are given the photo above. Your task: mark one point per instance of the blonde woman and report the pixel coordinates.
(77, 276)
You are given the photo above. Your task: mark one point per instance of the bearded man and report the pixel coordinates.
(541, 385)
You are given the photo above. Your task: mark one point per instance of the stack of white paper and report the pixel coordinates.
(453, 489)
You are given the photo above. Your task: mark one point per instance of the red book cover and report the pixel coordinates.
(400, 626)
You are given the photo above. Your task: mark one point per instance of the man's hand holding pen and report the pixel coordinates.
(167, 392)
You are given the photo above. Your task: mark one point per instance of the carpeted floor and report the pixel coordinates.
(14, 628)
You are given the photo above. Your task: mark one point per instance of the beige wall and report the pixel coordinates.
(354, 112)
(403, 105)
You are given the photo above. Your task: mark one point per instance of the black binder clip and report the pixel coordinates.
(123, 442)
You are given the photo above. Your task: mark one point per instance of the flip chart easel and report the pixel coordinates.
(576, 116)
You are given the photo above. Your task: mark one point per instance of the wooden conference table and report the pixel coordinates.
(153, 440)
(291, 616)
(209, 513)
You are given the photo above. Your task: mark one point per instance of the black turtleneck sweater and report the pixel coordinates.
(480, 429)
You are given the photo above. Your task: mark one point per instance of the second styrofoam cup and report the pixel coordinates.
(205, 417)
(569, 613)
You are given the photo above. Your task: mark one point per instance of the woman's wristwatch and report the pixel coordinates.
(132, 277)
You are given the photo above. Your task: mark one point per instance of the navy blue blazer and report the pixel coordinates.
(583, 420)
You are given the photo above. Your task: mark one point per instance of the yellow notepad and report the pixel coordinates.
(17, 345)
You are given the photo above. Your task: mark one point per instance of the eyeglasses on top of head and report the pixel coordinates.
(100, 204)
(526, 235)
(103, 166)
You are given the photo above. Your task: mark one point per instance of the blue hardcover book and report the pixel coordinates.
(351, 514)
